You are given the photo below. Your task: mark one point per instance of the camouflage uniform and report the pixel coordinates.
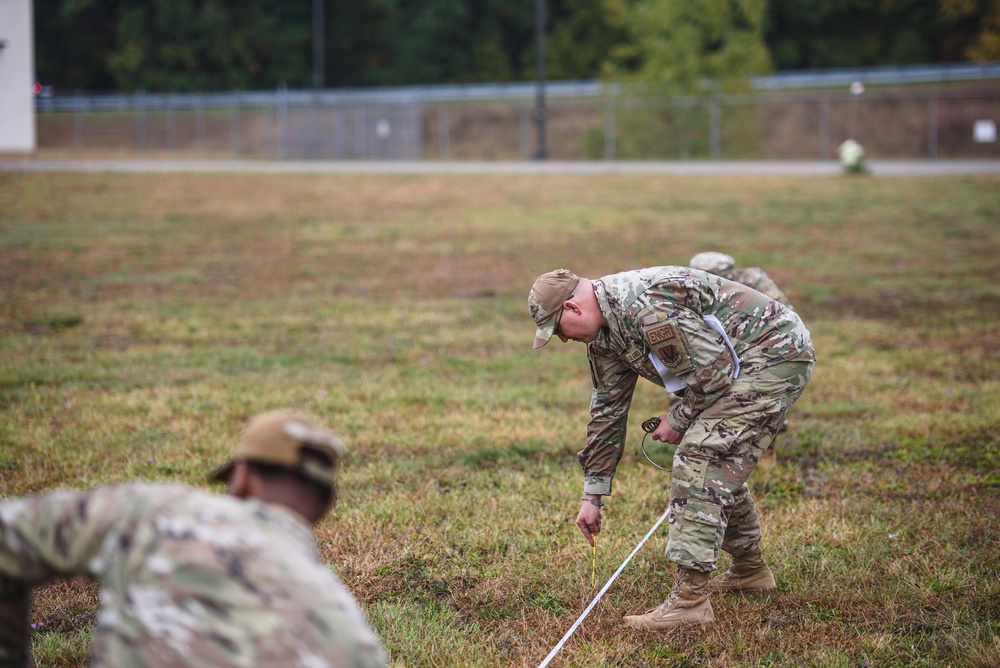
(189, 578)
(727, 422)
(724, 265)
(757, 278)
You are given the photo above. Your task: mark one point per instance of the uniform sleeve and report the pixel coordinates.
(691, 351)
(42, 537)
(614, 384)
(59, 533)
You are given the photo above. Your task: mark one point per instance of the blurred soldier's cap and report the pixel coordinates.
(279, 438)
(719, 264)
(546, 298)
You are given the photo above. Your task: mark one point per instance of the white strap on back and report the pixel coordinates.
(670, 381)
(716, 326)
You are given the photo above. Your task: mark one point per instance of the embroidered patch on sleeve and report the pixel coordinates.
(668, 344)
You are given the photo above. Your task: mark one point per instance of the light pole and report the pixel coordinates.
(540, 153)
(318, 44)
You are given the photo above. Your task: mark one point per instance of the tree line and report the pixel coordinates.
(213, 45)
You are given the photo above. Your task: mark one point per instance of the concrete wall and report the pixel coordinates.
(17, 64)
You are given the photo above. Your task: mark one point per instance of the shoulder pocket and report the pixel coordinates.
(666, 340)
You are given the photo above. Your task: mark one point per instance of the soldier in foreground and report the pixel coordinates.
(191, 578)
(739, 358)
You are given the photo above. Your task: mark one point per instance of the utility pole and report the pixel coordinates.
(540, 153)
(318, 56)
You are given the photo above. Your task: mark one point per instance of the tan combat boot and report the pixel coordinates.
(687, 604)
(748, 573)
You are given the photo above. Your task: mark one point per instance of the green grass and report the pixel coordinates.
(144, 319)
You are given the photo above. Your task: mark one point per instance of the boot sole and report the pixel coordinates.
(666, 626)
(735, 590)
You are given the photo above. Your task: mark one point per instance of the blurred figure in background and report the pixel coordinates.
(724, 265)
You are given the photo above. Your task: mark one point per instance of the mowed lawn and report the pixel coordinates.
(145, 318)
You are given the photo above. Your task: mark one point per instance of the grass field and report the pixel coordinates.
(145, 318)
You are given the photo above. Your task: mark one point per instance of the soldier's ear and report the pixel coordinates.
(239, 480)
(572, 305)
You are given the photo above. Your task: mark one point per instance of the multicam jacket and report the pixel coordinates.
(190, 578)
(660, 312)
(757, 278)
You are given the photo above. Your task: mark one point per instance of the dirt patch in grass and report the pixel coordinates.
(65, 605)
(144, 318)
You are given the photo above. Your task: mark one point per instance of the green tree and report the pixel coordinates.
(808, 34)
(189, 45)
(674, 45)
(73, 39)
(172, 45)
(692, 45)
(982, 42)
(582, 36)
(449, 41)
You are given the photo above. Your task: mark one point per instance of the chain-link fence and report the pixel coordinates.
(245, 125)
(585, 123)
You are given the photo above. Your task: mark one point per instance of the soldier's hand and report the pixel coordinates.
(667, 434)
(589, 521)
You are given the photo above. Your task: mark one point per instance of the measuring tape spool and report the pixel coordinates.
(649, 426)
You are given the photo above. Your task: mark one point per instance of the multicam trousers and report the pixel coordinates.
(710, 503)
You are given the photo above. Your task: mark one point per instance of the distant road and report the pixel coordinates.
(674, 168)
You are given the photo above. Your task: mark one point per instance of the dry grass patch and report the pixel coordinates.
(144, 319)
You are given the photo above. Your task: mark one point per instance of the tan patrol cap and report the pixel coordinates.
(719, 264)
(546, 298)
(277, 438)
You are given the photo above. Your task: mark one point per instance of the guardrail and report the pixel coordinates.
(495, 92)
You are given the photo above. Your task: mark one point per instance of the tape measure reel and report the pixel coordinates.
(667, 449)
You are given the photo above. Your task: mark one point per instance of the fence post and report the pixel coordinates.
(281, 110)
(364, 153)
(932, 128)
(444, 132)
(524, 147)
(234, 127)
(78, 123)
(171, 123)
(140, 122)
(824, 128)
(199, 123)
(610, 123)
(417, 123)
(714, 130)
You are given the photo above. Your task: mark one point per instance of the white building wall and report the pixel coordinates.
(17, 64)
